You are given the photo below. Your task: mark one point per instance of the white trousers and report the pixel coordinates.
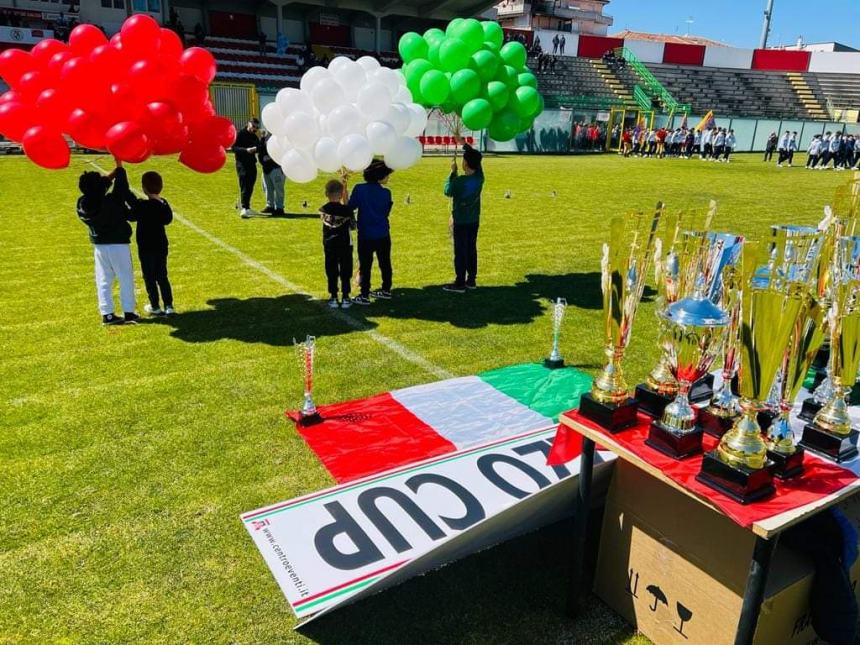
(113, 261)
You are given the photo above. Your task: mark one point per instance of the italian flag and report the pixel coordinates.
(365, 437)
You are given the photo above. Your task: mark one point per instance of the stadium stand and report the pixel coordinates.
(838, 90)
(573, 78)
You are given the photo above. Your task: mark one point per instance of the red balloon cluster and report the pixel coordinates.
(138, 94)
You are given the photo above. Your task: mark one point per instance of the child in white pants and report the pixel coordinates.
(106, 215)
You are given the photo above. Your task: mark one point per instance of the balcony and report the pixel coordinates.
(561, 9)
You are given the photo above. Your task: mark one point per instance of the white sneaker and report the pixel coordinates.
(153, 311)
(169, 311)
(332, 303)
(246, 213)
(346, 303)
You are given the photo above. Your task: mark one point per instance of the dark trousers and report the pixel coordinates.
(812, 161)
(783, 155)
(768, 154)
(727, 153)
(366, 250)
(154, 269)
(718, 150)
(247, 178)
(707, 150)
(338, 266)
(825, 158)
(465, 253)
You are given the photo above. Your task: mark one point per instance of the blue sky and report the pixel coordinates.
(739, 22)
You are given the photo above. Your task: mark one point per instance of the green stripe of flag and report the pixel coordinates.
(548, 392)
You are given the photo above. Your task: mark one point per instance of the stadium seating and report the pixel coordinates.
(572, 77)
(240, 60)
(842, 90)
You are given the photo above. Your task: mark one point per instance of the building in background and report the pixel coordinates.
(567, 16)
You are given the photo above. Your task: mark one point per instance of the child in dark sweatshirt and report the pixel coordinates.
(152, 214)
(338, 221)
(373, 202)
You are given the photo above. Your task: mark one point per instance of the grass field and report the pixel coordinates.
(127, 454)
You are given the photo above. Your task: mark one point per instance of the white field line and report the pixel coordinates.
(389, 343)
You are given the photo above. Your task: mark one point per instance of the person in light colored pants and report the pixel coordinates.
(273, 189)
(113, 262)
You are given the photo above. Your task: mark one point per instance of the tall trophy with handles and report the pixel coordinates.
(306, 353)
(555, 361)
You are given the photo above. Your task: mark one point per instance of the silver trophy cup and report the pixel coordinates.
(555, 360)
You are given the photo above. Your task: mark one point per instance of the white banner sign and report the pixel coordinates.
(23, 35)
(329, 547)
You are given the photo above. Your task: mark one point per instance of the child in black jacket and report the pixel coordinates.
(338, 221)
(152, 215)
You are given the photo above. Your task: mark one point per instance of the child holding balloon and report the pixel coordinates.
(465, 193)
(373, 203)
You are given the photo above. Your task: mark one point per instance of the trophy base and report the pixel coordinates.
(650, 401)
(714, 424)
(809, 409)
(673, 444)
(609, 416)
(742, 484)
(702, 390)
(553, 363)
(839, 448)
(765, 419)
(309, 420)
(786, 466)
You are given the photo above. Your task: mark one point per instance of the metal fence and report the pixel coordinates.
(237, 101)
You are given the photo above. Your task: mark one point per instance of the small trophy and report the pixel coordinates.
(555, 360)
(623, 270)
(830, 433)
(308, 414)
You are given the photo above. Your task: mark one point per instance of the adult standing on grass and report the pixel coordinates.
(273, 180)
(465, 193)
(770, 146)
(245, 149)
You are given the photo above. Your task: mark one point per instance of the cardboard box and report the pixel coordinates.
(677, 571)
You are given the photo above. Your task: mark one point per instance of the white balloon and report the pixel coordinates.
(275, 147)
(273, 118)
(325, 155)
(405, 152)
(403, 95)
(290, 100)
(343, 120)
(417, 120)
(311, 77)
(387, 77)
(381, 136)
(399, 116)
(327, 95)
(338, 63)
(373, 101)
(351, 78)
(369, 64)
(301, 129)
(355, 152)
(298, 166)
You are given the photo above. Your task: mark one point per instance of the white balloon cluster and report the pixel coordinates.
(343, 116)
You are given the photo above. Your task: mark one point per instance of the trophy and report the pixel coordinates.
(830, 433)
(772, 296)
(308, 414)
(555, 360)
(622, 281)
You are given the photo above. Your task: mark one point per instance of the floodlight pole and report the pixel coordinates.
(765, 30)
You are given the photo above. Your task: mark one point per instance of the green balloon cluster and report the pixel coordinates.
(469, 70)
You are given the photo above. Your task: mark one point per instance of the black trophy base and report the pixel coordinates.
(609, 416)
(765, 419)
(309, 420)
(671, 444)
(839, 448)
(714, 424)
(553, 364)
(786, 466)
(703, 389)
(742, 484)
(651, 401)
(809, 409)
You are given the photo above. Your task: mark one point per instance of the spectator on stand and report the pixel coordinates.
(282, 43)
(199, 34)
(261, 40)
(552, 62)
(561, 44)
(555, 43)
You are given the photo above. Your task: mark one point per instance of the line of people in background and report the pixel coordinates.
(842, 150)
(712, 144)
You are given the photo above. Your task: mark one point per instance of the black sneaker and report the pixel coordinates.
(112, 319)
(471, 285)
(361, 300)
(268, 210)
(131, 317)
(279, 212)
(381, 295)
(454, 288)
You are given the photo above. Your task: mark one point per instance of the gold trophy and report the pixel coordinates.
(772, 295)
(830, 434)
(623, 269)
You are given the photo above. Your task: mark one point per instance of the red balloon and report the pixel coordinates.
(55, 66)
(141, 35)
(199, 63)
(186, 91)
(171, 144)
(14, 63)
(46, 147)
(31, 84)
(87, 129)
(85, 38)
(106, 62)
(15, 119)
(219, 129)
(196, 114)
(161, 120)
(170, 46)
(76, 75)
(47, 48)
(53, 108)
(124, 104)
(203, 158)
(11, 95)
(127, 142)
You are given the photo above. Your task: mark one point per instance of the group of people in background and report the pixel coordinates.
(250, 148)
(710, 144)
(843, 150)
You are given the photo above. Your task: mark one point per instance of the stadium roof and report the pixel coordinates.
(668, 38)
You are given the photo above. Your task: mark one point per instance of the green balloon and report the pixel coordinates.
(527, 103)
(452, 27)
(493, 33)
(448, 108)
(465, 85)
(497, 94)
(413, 73)
(453, 55)
(527, 78)
(433, 34)
(434, 87)
(412, 46)
(525, 125)
(477, 114)
(504, 126)
(491, 47)
(540, 105)
(514, 54)
(507, 75)
(485, 63)
(471, 33)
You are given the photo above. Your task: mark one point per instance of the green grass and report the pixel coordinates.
(127, 454)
